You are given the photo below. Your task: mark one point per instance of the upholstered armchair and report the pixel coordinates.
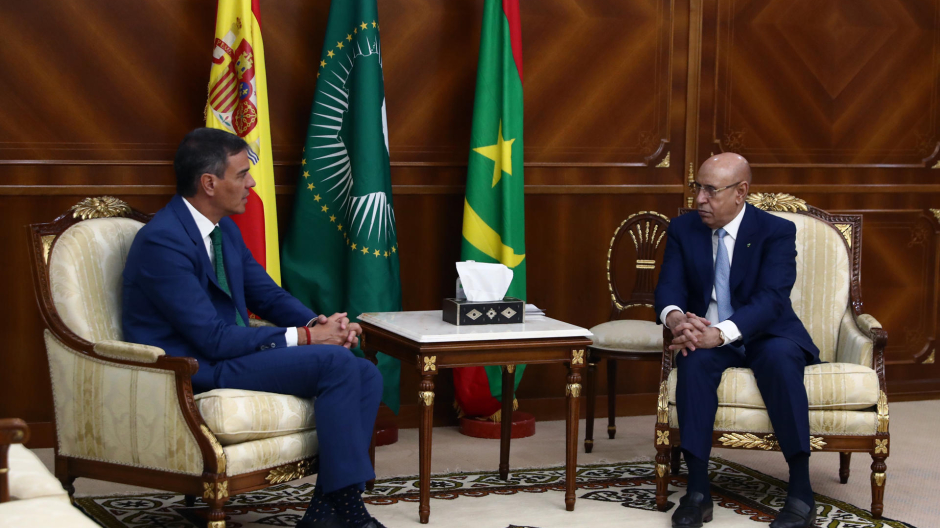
(848, 406)
(29, 494)
(126, 412)
(621, 339)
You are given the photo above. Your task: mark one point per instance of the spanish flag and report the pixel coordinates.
(238, 103)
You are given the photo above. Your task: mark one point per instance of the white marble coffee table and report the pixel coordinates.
(426, 341)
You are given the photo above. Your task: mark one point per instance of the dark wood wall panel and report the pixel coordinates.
(825, 83)
(839, 108)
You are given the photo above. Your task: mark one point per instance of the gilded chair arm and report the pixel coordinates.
(855, 344)
(128, 351)
(866, 323)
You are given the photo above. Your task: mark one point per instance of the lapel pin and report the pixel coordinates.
(748, 244)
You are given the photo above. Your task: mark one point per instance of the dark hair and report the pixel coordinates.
(204, 150)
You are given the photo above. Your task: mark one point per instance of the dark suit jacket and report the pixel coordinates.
(172, 297)
(763, 270)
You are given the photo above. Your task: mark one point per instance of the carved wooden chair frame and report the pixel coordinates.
(667, 439)
(647, 230)
(214, 486)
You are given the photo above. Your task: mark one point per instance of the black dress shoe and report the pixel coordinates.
(694, 509)
(795, 514)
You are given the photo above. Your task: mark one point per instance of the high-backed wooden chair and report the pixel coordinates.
(626, 339)
(848, 406)
(126, 412)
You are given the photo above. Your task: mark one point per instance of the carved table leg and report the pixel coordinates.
(426, 396)
(590, 386)
(509, 378)
(573, 393)
(878, 469)
(611, 398)
(845, 460)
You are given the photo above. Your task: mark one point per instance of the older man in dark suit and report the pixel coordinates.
(736, 265)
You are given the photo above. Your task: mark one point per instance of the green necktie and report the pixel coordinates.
(216, 236)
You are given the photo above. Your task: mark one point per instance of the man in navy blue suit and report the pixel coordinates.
(189, 282)
(736, 265)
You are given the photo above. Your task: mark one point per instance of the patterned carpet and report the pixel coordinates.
(620, 494)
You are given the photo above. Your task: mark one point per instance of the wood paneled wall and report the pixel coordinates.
(835, 103)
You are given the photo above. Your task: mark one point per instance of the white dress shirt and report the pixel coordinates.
(727, 327)
(205, 227)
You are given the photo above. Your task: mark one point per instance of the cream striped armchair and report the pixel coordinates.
(848, 406)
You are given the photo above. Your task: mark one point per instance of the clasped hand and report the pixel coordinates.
(335, 330)
(690, 331)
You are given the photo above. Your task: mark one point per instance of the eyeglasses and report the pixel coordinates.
(710, 191)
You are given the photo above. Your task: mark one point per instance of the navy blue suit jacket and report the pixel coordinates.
(763, 271)
(172, 297)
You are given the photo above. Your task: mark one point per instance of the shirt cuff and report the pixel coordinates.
(665, 312)
(312, 322)
(290, 335)
(729, 330)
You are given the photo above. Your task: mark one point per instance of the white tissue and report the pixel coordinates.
(484, 282)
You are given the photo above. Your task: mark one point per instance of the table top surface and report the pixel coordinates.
(430, 327)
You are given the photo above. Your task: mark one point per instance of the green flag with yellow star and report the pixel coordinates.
(494, 210)
(341, 253)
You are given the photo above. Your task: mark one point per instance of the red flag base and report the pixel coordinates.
(523, 426)
(386, 432)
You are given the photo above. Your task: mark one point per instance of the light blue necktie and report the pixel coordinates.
(722, 278)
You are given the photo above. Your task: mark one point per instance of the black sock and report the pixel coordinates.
(319, 509)
(698, 474)
(800, 487)
(348, 504)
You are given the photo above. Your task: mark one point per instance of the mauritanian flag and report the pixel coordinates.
(341, 254)
(494, 210)
(238, 103)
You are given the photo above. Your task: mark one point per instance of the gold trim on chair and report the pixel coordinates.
(777, 202)
(767, 442)
(573, 389)
(879, 479)
(216, 447)
(288, 472)
(882, 412)
(881, 446)
(430, 363)
(662, 404)
(662, 437)
(101, 207)
(215, 490)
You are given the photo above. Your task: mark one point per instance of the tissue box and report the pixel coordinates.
(462, 312)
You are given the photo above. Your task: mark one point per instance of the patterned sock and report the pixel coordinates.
(698, 474)
(320, 510)
(800, 487)
(348, 504)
